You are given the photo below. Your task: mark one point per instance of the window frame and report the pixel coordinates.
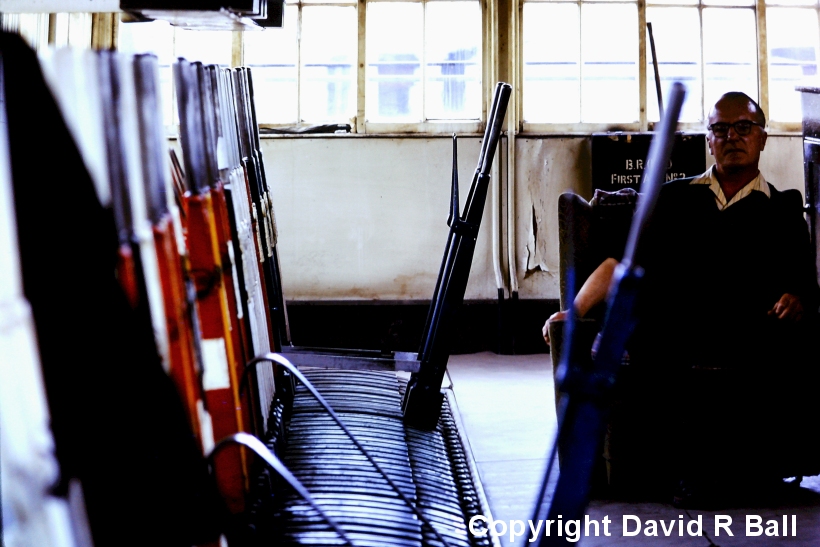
(433, 127)
(41, 30)
(239, 55)
(360, 124)
(773, 127)
(580, 128)
(503, 59)
(583, 128)
(762, 62)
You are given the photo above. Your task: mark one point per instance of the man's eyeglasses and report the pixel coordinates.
(742, 128)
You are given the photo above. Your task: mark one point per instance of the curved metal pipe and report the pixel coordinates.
(495, 181)
(513, 117)
(275, 357)
(249, 441)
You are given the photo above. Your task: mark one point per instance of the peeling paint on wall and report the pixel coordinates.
(536, 246)
(546, 168)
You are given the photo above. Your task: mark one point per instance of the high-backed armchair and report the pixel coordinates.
(589, 232)
(647, 403)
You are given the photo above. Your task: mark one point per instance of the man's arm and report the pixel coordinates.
(801, 291)
(593, 292)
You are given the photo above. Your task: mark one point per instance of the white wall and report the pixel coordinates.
(782, 162)
(365, 218)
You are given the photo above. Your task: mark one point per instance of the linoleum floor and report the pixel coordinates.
(508, 411)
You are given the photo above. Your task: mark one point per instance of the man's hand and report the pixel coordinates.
(557, 316)
(788, 308)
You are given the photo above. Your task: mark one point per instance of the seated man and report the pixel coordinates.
(721, 335)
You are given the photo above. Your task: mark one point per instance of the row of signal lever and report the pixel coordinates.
(194, 264)
(172, 265)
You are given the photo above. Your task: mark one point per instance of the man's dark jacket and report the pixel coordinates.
(712, 276)
(714, 379)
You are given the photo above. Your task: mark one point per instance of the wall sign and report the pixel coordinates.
(618, 159)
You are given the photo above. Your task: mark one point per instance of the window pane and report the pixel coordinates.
(210, 47)
(156, 37)
(791, 2)
(79, 30)
(677, 44)
(793, 39)
(728, 2)
(675, 2)
(552, 54)
(272, 56)
(609, 72)
(453, 58)
(730, 53)
(328, 90)
(72, 29)
(394, 50)
(34, 28)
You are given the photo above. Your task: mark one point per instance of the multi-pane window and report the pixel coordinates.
(404, 62)
(576, 69)
(676, 30)
(33, 27)
(710, 46)
(168, 43)
(274, 58)
(72, 29)
(306, 71)
(792, 40)
(423, 61)
(580, 58)
(580, 61)
(729, 52)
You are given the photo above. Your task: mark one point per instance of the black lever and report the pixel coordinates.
(454, 214)
(423, 398)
